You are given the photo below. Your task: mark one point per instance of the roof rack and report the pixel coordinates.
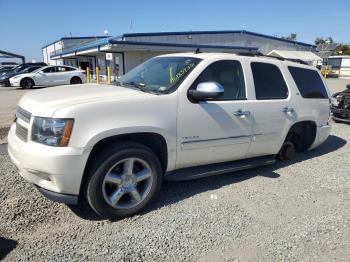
(259, 54)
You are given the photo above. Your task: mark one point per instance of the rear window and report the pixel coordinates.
(268, 81)
(309, 82)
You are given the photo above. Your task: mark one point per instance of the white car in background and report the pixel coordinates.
(50, 76)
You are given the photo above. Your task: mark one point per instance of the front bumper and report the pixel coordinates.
(14, 82)
(58, 197)
(5, 82)
(56, 169)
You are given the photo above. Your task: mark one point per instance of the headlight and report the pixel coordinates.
(334, 101)
(17, 76)
(51, 131)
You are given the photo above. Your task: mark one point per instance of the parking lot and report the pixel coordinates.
(292, 211)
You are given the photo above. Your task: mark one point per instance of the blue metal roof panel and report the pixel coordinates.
(114, 41)
(75, 37)
(216, 32)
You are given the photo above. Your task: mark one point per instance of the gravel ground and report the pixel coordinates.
(295, 211)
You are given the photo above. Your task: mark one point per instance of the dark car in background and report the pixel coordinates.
(340, 106)
(20, 67)
(5, 78)
(4, 66)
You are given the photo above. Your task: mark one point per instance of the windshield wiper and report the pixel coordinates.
(138, 86)
(133, 84)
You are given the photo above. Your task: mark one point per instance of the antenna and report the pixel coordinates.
(131, 24)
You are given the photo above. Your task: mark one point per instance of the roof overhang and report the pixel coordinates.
(171, 47)
(302, 55)
(118, 45)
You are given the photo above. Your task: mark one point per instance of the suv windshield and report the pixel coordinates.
(160, 74)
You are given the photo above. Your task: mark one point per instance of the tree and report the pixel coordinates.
(330, 40)
(321, 40)
(291, 37)
(342, 49)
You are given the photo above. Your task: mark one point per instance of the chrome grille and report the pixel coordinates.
(22, 132)
(23, 114)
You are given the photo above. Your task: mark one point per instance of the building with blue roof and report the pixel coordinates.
(131, 49)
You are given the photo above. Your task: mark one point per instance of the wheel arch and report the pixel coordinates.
(155, 141)
(302, 134)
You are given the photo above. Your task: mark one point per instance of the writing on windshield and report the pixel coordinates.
(160, 74)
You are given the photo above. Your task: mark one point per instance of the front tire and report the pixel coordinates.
(27, 83)
(124, 180)
(75, 80)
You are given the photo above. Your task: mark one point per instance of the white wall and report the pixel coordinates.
(57, 46)
(134, 58)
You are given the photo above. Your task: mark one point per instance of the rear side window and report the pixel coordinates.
(49, 69)
(64, 69)
(268, 81)
(309, 82)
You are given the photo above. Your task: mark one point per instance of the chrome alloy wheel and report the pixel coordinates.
(127, 183)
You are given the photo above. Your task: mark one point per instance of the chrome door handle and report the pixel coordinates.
(288, 109)
(241, 112)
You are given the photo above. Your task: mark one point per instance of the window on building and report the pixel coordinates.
(268, 81)
(334, 63)
(227, 73)
(309, 82)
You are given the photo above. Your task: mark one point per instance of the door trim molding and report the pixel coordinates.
(215, 142)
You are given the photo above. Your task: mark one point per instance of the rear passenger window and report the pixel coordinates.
(63, 69)
(49, 69)
(268, 81)
(309, 82)
(227, 73)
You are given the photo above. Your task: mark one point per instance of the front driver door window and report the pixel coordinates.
(43, 76)
(211, 131)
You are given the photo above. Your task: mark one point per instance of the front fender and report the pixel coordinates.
(169, 139)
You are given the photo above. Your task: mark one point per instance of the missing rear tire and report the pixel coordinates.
(287, 151)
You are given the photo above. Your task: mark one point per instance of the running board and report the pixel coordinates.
(218, 168)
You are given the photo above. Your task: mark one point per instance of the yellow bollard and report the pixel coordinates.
(109, 75)
(88, 74)
(97, 75)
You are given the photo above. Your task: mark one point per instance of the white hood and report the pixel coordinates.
(45, 102)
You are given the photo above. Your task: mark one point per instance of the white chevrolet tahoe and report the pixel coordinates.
(175, 117)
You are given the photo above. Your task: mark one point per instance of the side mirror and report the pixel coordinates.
(348, 87)
(207, 90)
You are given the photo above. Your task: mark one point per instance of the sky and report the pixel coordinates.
(26, 26)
